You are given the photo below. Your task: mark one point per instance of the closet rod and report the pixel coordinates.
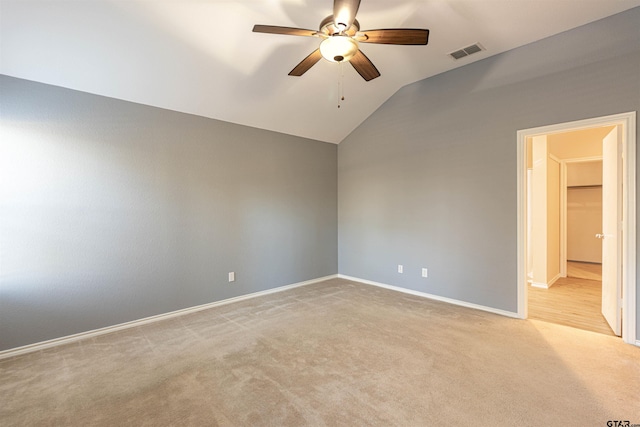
(584, 186)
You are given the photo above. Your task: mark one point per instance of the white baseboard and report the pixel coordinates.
(547, 285)
(638, 343)
(555, 279)
(539, 285)
(109, 329)
(433, 297)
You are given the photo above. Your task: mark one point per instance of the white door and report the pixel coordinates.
(611, 220)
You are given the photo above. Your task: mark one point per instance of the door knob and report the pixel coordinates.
(599, 236)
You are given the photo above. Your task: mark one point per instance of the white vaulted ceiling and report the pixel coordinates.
(201, 57)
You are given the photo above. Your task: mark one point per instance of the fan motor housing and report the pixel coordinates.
(328, 27)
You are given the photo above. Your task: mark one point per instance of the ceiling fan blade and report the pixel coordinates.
(410, 36)
(306, 63)
(364, 66)
(344, 12)
(287, 31)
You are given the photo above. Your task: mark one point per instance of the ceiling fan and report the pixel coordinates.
(341, 34)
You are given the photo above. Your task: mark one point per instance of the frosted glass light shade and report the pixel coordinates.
(338, 48)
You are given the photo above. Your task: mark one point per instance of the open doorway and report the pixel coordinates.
(563, 162)
(565, 177)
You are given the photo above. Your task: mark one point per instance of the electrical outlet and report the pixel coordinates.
(232, 276)
(400, 268)
(424, 272)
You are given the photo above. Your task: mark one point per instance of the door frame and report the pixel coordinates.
(628, 123)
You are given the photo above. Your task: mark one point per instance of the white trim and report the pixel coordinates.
(555, 159)
(638, 343)
(521, 224)
(109, 329)
(563, 218)
(547, 285)
(555, 279)
(629, 230)
(562, 266)
(583, 159)
(431, 296)
(628, 123)
(540, 285)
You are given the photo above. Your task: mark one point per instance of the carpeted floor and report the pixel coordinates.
(333, 353)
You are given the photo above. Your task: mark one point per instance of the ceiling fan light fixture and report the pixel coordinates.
(341, 34)
(338, 48)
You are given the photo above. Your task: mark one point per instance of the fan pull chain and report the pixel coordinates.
(341, 83)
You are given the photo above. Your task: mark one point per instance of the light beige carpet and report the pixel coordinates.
(334, 353)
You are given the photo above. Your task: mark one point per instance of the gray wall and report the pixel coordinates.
(429, 180)
(112, 211)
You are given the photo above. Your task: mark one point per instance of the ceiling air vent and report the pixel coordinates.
(466, 51)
